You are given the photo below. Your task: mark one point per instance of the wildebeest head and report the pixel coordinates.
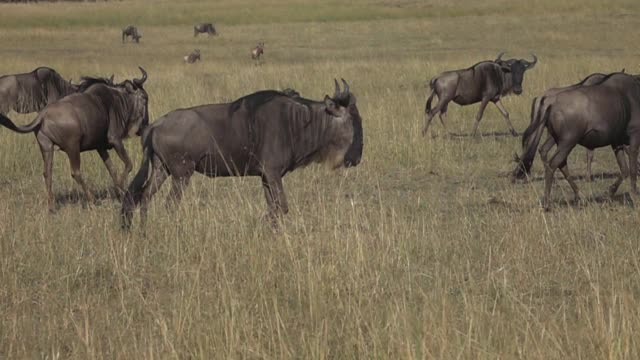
(139, 117)
(516, 68)
(347, 121)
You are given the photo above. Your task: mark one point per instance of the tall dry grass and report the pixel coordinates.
(425, 250)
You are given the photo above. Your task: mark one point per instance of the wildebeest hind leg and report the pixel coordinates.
(559, 158)
(177, 189)
(545, 148)
(589, 162)
(158, 175)
(74, 160)
(565, 171)
(505, 114)
(624, 170)
(46, 147)
(633, 165)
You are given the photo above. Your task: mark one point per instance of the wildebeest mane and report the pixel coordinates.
(88, 81)
(253, 101)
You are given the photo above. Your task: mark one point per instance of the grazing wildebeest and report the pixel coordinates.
(204, 28)
(97, 118)
(266, 134)
(30, 92)
(524, 168)
(484, 82)
(606, 113)
(132, 31)
(192, 57)
(257, 51)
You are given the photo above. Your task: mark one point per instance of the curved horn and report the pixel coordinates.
(499, 56)
(345, 88)
(530, 65)
(337, 92)
(139, 82)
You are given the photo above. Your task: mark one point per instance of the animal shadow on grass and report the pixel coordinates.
(481, 134)
(622, 199)
(75, 196)
(600, 176)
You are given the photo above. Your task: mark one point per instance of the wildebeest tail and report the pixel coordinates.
(531, 137)
(134, 193)
(432, 83)
(34, 125)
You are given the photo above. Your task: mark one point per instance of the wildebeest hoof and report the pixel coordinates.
(514, 133)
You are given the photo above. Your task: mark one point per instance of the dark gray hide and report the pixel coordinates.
(132, 31)
(524, 166)
(204, 28)
(483, 82)
(98, 118)
(604, 114)
(30, 92)
(266, 134)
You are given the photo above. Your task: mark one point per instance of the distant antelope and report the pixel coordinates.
(257, 51)
(192, 57)
(132, 31)
(203, 28)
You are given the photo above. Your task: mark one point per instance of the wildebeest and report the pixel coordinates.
(266, 134)
(204, 28)
(97, 118)
(132, 31)
(607, 113)
(192, 57)
(257, 51)
(30, 92)
(484, 82)
(524, 168)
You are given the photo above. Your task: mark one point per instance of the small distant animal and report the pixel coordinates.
(204, 28)
(484, 82)
(98, 117)
(30, 92)
(132, 31)
(257, 51)
(192, 57)
(266, 134)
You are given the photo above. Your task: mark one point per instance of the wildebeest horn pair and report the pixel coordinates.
(139, 82)
(341, 94)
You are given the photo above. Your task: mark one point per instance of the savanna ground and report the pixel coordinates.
(425, 250)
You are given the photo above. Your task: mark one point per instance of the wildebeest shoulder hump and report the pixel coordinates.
(253, 101)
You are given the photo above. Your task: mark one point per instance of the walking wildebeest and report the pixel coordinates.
(30, 92)
(607, 113)
(525, 167)
(484, 82)
(266, 134)
(192, 57)
(257, 51)
(132, 31)
(97, 118)
(204, 28)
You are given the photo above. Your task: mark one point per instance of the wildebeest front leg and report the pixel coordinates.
(624, 169)
(483, 105)
(589, 162)
(118, 146)
(104, 155)
(46, 147)
(633, 165)
(565, 171)
(505, 114)
(74, 160)
(274, 193)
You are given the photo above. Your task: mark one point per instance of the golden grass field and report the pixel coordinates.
(425, 250)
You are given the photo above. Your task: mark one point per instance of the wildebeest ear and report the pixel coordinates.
(329, 103)
(129, 86)
(505, 67)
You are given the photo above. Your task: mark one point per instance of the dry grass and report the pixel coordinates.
(426, 250)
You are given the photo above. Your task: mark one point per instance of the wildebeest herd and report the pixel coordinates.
(270, 133)
(202, 28)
